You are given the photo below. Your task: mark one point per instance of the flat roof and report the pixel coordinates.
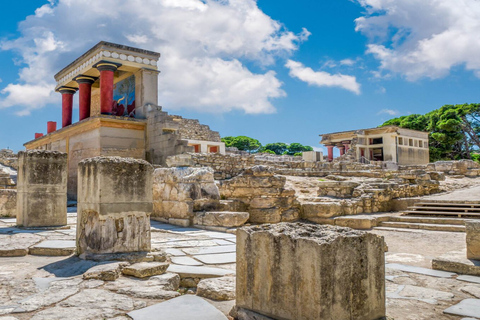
(376, 128)
(108, 45)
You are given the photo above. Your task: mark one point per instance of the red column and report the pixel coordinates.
(51, 126)
(342, 150)
(330, 153)
(38, 135)
(67, 104)
(107, 70)
(84, 95)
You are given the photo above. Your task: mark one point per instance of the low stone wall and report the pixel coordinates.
(192, 129)
(264, 195)
(467, 168)
(298, 271)
(224, 166)
(178, 191)
(8, 203)
(473, 239)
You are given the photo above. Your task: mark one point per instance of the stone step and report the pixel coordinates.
(424, 226)
(220, 218)
(442, 213)
(423, 219)
(442, 208)
(450, 204)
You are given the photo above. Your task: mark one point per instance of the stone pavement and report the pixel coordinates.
(54, 287)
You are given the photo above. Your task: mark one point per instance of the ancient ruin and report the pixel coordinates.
(165, 222)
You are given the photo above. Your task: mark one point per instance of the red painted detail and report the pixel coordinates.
(84, 100)
(347, 147)
(330, 153)
(67, 108)
(38, 135)
(214, 149)
(106, 91)
(197, 148)
(51, 126)
(342, 150)
(362, 152)
(131, 109)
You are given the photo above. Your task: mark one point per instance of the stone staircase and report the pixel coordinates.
(434, 215)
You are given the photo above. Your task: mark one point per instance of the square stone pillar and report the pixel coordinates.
(42, 188)
(146, 90)
(473, 239)
(114, 205)
(297, 271)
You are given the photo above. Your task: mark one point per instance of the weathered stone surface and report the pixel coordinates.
(17, 245)
(53, 248)
(217, 288)
(456, 261)
(168, 281)
(186, 261)
(186, 307)
(473, 239)
(42, 188)
(473, 290)
(106, 272)
(321, 272)
(220, 218)
(219, 258)
(114, 205)
(198, 272)
(466, 308)
(176, 189)
(8, 203)
(145, 269)
(154, 292)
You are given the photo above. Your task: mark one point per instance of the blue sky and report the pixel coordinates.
(305, 67)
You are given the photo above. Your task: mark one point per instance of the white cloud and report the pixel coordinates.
(203, 45)
(347, 62)
(389, 112)
(322, 78)
(429, 37)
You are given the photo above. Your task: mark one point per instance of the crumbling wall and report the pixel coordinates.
(9, 158)
(192, 129)
(264, 195)
(224, 166)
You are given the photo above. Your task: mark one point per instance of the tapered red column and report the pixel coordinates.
(330, 153)
(84, 95)
(342, 150)
(107, 70)
(67, 104)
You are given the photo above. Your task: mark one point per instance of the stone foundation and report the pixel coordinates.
(8, 203)
(473, 239)
(114, 205)
(42, 188)
(176, 191)
(301, 271)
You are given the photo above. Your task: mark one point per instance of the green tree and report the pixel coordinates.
(277, 147)
(454, 130)
(296, 147)
(242, 143)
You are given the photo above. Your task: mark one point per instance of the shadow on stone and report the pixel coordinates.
(70, 267)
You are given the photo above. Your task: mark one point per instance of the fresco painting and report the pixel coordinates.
(124, 98)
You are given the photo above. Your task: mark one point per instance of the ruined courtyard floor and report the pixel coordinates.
(52, 287)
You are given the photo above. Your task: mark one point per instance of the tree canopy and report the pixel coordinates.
(242, 143)
(454, 130)
(253, 145)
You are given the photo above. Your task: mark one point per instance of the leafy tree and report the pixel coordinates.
(242, 143)
(296, 147)
(277, 147)
(454, 130)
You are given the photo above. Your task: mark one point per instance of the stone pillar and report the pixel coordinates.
(114, 206)
(297, 271)
(84, 95)
(51, 126)
(67, 104)
(473, 239)
(146, 90)
(42, 188)
(107, 70)
(330, 153)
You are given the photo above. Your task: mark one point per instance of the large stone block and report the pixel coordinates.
(8, 202)
(302, 271)
(473, 239)
(42, 188)
(114, 205)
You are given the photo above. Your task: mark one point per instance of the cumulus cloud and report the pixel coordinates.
(204, 46)
(322, 78)
(389, 112)
(422, 38)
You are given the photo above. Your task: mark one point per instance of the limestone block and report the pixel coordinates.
(220, 218)
(180, 160)
(42, 188)
(217, 288)
(300, 271)
(473, 239)
(8, 203)
(145, 269)
(114, 205)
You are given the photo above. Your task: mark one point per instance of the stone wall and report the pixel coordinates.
(114, 206)
(9, 158)
(179, 191)
(42, 188)
(466, 168)
(191, 129)
(8, 203)
(264, 195)
(298, 271)
(224, 166)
